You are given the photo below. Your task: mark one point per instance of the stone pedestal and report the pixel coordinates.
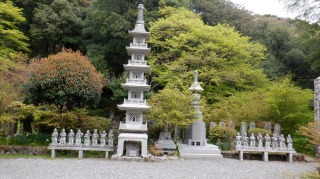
(165, 145)
(200, 152)
(142, 139)
(197, 132)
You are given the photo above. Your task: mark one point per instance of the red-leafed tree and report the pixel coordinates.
(66, 79)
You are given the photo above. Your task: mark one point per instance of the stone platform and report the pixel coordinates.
(208, 151)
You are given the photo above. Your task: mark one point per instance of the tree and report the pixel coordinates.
(279, 102)
(215, 12)
(171, 106)
(286, 42)
(305, 8)
(66, 79)
(106, 32)
(227, 61)
(311, 130)
(55, 26)
(11, 38)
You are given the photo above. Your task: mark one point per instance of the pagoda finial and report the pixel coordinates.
(140, 14)
(196, 76)
(195, 85)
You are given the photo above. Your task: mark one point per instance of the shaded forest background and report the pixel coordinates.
(252, 67)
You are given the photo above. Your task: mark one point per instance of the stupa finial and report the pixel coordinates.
(195, 85)
(140, 14)
(196, 76)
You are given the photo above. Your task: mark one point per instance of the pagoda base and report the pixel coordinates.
(208, 151)
(141, 138)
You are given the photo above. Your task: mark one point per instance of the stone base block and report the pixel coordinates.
(200, 152)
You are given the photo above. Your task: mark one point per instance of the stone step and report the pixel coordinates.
(209, 149)
(194, 151)
(201, 156)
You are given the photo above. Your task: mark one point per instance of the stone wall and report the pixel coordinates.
(258, 156)
(28, 150)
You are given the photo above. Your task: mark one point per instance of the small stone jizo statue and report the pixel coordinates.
(110, 137)
(62, 139)
(103, 136)
(95, 136)
(282, 142)
(274, 141)
(238, 140)
(78, 137)
(54, 137)
(87, 141)
(289, 142)
(71, 137)
(267, 141)
(245, 140)
(252, 140)
(260, 145)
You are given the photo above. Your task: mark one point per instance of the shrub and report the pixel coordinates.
(302, 145)
(66, 79)
(28, 139)
(222, 133)
(223, 145)
(256, 131)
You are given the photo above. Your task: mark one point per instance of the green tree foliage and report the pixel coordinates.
(55, 26)
(66, 80)
(11, 78)
(226, 61)
(261, 131)
(11, 38)
(287, 48)
(216, 12)
(35, 119)
(171, 106)
(280, 102)
(106, 31)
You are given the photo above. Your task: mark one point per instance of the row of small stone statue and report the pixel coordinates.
(271, 143)
(75, 140)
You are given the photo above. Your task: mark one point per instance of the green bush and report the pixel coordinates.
(223, 145)
(19, 140)
(301, 144)
(256, 131)
(222, 133)
(28, 139)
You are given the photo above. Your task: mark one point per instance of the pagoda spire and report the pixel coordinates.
(195, 85)
(140, 14)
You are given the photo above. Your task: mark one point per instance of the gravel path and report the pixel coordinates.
(101, 168)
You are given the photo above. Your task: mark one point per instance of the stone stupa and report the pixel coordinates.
(196, 146)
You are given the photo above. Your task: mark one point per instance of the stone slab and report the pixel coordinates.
(200, 152)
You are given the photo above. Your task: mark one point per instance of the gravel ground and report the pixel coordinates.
(101, 168)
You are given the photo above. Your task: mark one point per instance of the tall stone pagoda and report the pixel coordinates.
(196, 146)
(133, 139)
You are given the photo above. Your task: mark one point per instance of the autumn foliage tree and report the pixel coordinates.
(66, 79)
